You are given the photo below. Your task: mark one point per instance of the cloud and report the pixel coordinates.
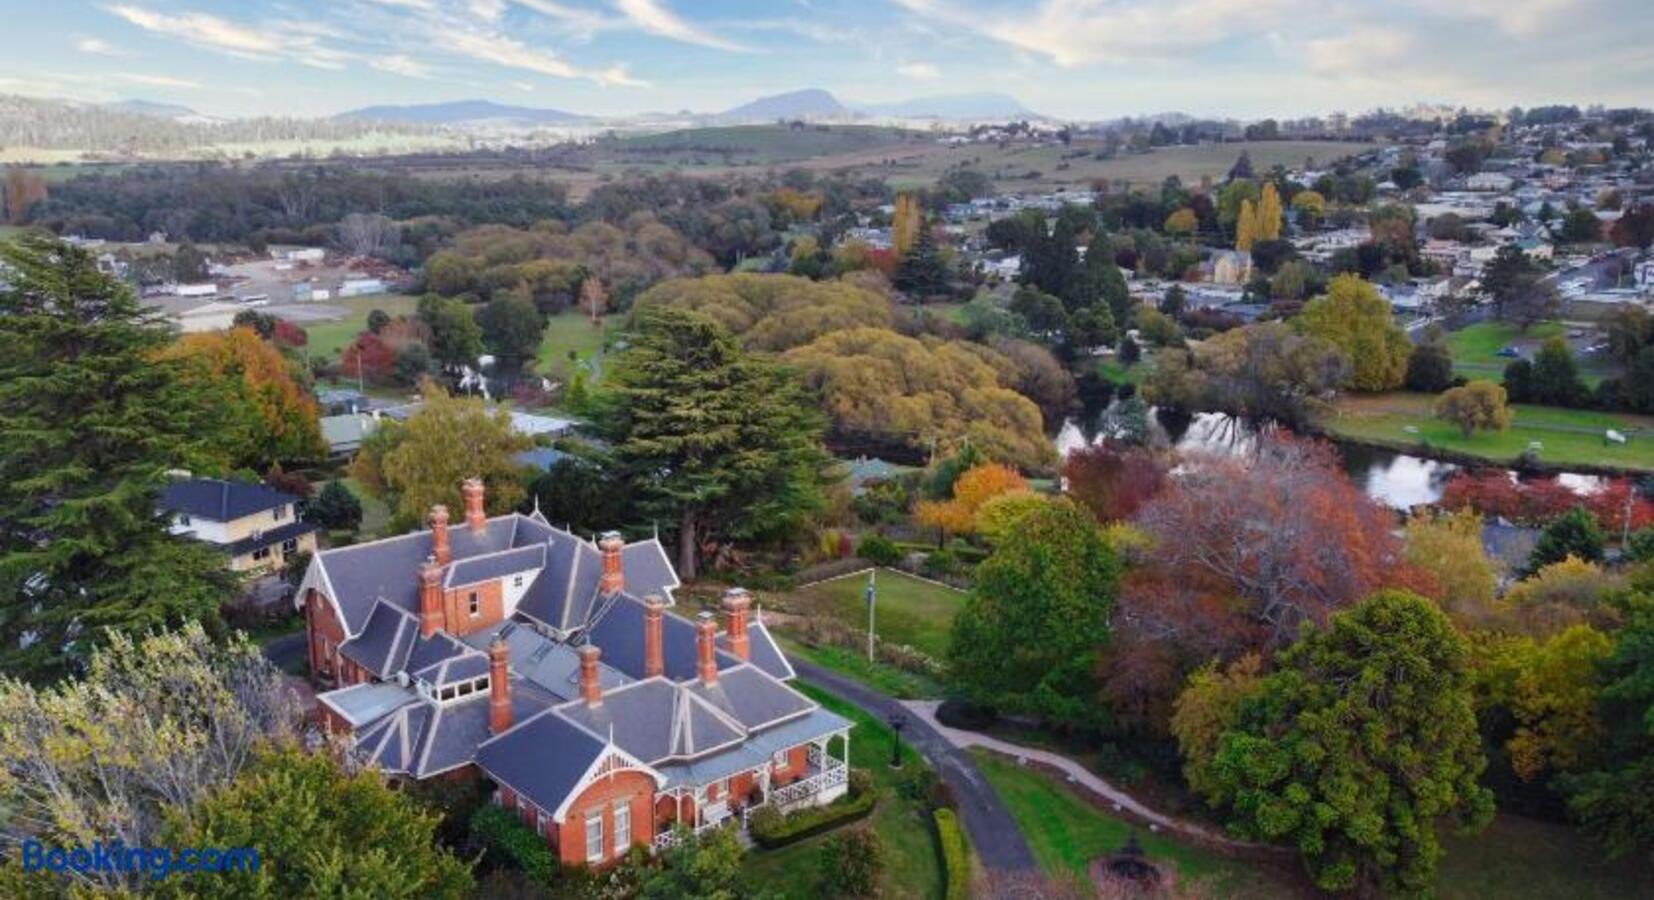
(1358, 54)
(164, 81)
(295, 40)
(488, 10)
(922, 71)
(98, 47)
(512, 53)
(400, 64)
(656, 19)
(1518, 18)
(1075, 33)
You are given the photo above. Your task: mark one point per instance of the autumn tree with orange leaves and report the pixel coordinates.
(266, 406)
(973, 489)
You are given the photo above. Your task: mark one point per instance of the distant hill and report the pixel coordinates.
(985, 105)
(151, 108)
(457, 112)
(812, 103)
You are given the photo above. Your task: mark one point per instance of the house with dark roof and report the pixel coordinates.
(256, 526)
(556, 668)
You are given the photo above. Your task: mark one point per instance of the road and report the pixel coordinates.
(993, 832)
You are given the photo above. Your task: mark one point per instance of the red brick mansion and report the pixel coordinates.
(556, 668)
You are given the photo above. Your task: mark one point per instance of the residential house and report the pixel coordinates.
(554, 666)
(1230, 267)
(345, 433)
(257, 527)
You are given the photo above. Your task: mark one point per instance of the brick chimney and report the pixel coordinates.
(737, 606)
(654, 659)
(499, 686)
(440, 548)
(706, 636)
(431, 618)
(475, 516)
(614, 574)
(590, 690)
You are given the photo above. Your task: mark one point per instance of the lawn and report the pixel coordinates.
(1476, 349)
(883, 677)
(573, 331)
(376, 516)
(910, 610)
(327, 339)
(912, 861)
(1068, 831)
(1517, 857)
(1385, 418)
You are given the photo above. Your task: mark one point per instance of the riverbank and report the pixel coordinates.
(1572, 440)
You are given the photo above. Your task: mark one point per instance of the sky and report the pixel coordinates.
(1074, 59)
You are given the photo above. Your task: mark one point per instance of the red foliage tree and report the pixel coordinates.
(288, 335)
(370, 357)
(1114, 481)
(883, 259)
(1539, 500)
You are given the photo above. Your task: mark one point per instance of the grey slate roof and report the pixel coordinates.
(388, 569)
(552, 666)
(751, 697)
(385, 641)
(393, 743)
(543, 758)
(495, 565)
(766, 654)
(428, 653)
(648, 569)
(367, 703)
(755, 752)
(619, 631)
(655, 720)
(456, 668)
(221, 500)
(422, 738)
(269, 538)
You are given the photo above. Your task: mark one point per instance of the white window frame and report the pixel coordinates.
(594, 849)
(279, 512)
(183, 521)
(623, 826)
(261, 554)
(289, 546)
(542, 822)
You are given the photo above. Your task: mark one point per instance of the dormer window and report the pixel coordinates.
(476, 604)
(516, 581)
(183, 520)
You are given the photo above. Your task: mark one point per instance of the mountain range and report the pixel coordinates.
(459, 112)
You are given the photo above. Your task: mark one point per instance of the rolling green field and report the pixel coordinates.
(912, 861)
(760, 144)
(1385, 418)
(327, 339)
(1066, 832)
(910, 611)
(1475, 350)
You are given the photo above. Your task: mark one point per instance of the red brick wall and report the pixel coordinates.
(794, 768)
(326, 634)
(457, 604)
(635, 787)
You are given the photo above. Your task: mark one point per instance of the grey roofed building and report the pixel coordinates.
(221, 500)
(417, 631)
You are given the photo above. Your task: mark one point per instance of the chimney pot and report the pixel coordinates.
(440, 547)
(614, 572)
(737, 606)
(431, 617)
(654, 658)
(499, 686)
(590, 688)
(475, 515)
(706, 636)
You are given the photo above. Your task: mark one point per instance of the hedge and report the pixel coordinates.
(505, 837)
(770, 829)
(956, 857)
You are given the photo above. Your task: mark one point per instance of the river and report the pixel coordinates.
(1398, 480)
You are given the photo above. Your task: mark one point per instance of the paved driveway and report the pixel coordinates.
(993, 832)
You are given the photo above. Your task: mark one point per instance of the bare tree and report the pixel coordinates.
(365, 234)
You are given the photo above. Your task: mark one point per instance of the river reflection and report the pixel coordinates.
(1398, 480)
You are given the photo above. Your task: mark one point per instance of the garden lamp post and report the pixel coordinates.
(897, 723)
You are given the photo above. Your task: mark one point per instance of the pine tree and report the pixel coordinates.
(90, 420)
(922, 272)
(719, 444)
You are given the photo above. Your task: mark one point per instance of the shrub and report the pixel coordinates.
(955, 855)
(505, 839)
(850, 864)
(1641, 545)
(941, 563)
(770, 828)
(879, 550)
(965, 714)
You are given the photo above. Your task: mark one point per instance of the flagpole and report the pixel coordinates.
(871, 573)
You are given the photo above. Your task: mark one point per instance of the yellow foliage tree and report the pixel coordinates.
(1355, 317)
(1182, 222)
(1000, 517)
(1550, 688)
(1450, 548)
(971, 492)
(1206, 708)
(449, 440)
(1561, 595)
(1246, 227)
(905, 223)
(1269, 214)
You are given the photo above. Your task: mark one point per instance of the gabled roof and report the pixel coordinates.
(220, 500)
(766, 654)
(385, 641)
(751, 697)
(648, 569)
(544, 758)
(428, 654)
(552, 666)
(619, 632)
(656, 720)
(490, 566)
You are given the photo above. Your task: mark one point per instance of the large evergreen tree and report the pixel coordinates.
(1028, 637)
(922, 272)
(90, 420)
(1357, 746)
(715, 442)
